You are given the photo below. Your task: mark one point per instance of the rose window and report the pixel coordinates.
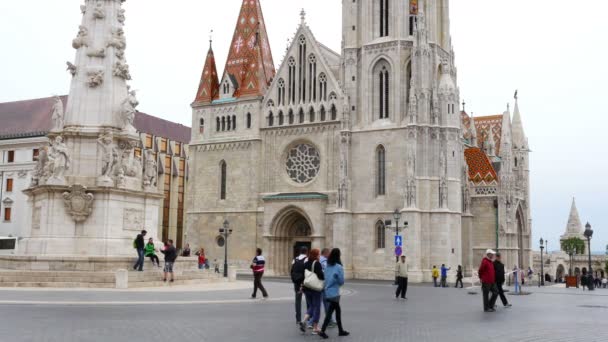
(303, 163)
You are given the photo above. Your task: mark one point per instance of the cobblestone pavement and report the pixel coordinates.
(370, 313)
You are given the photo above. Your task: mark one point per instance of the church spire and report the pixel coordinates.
(250, 58)
(209, 85)
(574, 227)
(505, 138)
(520, 140)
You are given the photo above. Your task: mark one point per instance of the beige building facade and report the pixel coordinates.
(323, 150)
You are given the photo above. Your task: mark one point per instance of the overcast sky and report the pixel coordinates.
(553, 51)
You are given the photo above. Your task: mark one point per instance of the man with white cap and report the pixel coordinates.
(487, 276)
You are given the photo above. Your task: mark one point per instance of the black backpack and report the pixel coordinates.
(297, 271)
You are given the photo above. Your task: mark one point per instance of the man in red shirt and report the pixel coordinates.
(487, 277)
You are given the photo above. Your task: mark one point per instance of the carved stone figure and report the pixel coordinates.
(435, 111)
(121, 16)
(59, 161)
(99, 12)
(122, 70)
(99, 53)
(150, 170)
(411, 193)
(71, 68)
(57, 115)
(128, 111)
(118, 39)
(120, 54)
(467, 199)
(41, 171)
(443, 164)
(109, 156)
(443, 194)
(413, 109)
(95, 78)
(83, 9)
(78, 202)
(82, 39)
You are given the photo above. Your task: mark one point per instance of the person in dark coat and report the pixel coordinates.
(499, 270)
(459, 277)
(140, 246)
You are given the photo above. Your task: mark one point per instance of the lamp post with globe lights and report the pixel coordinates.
(588, 234)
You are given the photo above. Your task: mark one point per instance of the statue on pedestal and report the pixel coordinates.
(128, 111)
(59, 161)
(41, 172)
(57, 115)
(109, 158)
(150, 170)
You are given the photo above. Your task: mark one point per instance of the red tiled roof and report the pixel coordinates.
(209, 87)
(250, 58)
(33, 118)
(480, 167)
(483, 125)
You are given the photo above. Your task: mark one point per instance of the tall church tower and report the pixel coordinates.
(399, 78)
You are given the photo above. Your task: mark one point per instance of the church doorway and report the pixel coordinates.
(520, 239)
(292, 230)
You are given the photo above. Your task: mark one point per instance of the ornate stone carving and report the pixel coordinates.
(133, 219)
(129, 165)
(443, 161)
(83, 9)
(99, 11)
(127, 111)
(413, 108)
(150, 170)
(98, 53)
(57, 115)
(82, 39)
(71, 68)
(22, 173)
(303, 163)
(59, 161)
(78, 202)
(435, 110)
(122, 70)
(118, 39)
(466, 195)
(42, 169)
(109, 158)
(94, 78)
(120, 16)
(410, 193)
(443, 194)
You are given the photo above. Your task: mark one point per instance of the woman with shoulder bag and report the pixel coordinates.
(314, 279)
(334, 279)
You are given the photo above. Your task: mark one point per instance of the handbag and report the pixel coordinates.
(311, 281)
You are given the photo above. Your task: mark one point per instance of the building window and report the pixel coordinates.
(281, 91)
(149, 141)
(281, 118)
(323, 87)
(312, 76)
(311, 114)
(180, 202)
(301, 116)
(291, 117)
(201, 126)
(380, 235)
(167, 199)
(334, 113)
(178, 149)
(229, 124)
(384, 17)
(223, 175)
(380, 171)
(35, 154)
(223, 124)
(270, 119)
(248, 120)
(9, 185)
(302, 69)
(7, 214)
(234, 122)
(291, 86)
(10, 157)
(381, 91)
(137, 152)
(163, 145)
(323, 114)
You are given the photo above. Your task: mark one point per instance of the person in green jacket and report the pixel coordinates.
(150, 251)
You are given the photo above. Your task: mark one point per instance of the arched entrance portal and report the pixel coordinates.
(559, 275)
(291, 230)
(520, 238)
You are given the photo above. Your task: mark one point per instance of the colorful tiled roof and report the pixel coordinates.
(31, 118)
(209, 87)
(483, 124)
(480, 167)
(250, 58)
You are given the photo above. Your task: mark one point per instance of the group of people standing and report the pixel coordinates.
(492, 277)
(149, 250)
(435, 272)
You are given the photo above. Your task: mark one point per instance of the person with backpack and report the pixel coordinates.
(139, 245)
(313, 295)
(150, 252)
(170, 253)
(334, 279)
(257, 266)
(297, 278)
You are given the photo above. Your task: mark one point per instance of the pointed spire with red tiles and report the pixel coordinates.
(209, 87)
(249, 58)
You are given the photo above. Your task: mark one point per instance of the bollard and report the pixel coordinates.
(122, 279)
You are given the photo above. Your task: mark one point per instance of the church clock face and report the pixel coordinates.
(303, 163)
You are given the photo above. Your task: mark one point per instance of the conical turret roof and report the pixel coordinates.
(250, 58)
(519, 136)
(574, 228)
(209, 86)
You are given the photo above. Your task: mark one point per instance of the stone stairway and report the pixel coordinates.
(87, 279)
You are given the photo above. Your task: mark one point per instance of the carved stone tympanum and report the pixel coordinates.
(78, 202)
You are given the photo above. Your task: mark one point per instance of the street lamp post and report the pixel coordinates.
(225, 232)
(588, 234)
(542, 271)
(397, 217)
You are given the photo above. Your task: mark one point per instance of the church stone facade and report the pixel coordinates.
(321, 151)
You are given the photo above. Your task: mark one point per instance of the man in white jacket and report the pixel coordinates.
(401, 274)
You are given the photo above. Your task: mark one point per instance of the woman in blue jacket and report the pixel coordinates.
(334, 279)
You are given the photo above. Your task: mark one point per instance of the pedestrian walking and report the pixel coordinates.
(444, 275)
(313, 296)
(333, 281)
(516, 272)
(499, 271)
(150, 252)
(170, 256)
(323, 259)
(297, 278)
(435, 273)
(203, 263)
(487, 277)
(459, 277)
(216, 266)
(257, 266)
(139, 245)
(401, 274)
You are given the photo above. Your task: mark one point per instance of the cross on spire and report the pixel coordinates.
(464, 105)
(303, 16)
(210, 37)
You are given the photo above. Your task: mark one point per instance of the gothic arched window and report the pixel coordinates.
(322, 87)
(248, 120)
(218, 124)
(223, 123)
(302, 69)
(281, 118)
(323, 114)
(291, 117)
(312, 76)
(229, 123)
(334, 112)
(270, 119)
(311, 114)
(281, 91)
(384, 17)
(234, 122)
(381, 91)
(201, 125)
(380, 171)
(291, 85)
(301, 116)
(380, 232)
(223, 180)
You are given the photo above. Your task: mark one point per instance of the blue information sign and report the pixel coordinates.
(398, 241)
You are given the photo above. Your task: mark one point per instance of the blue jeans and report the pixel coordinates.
(313, 298)
(139, 265)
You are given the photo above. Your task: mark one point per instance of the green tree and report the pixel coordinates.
(573, 246)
